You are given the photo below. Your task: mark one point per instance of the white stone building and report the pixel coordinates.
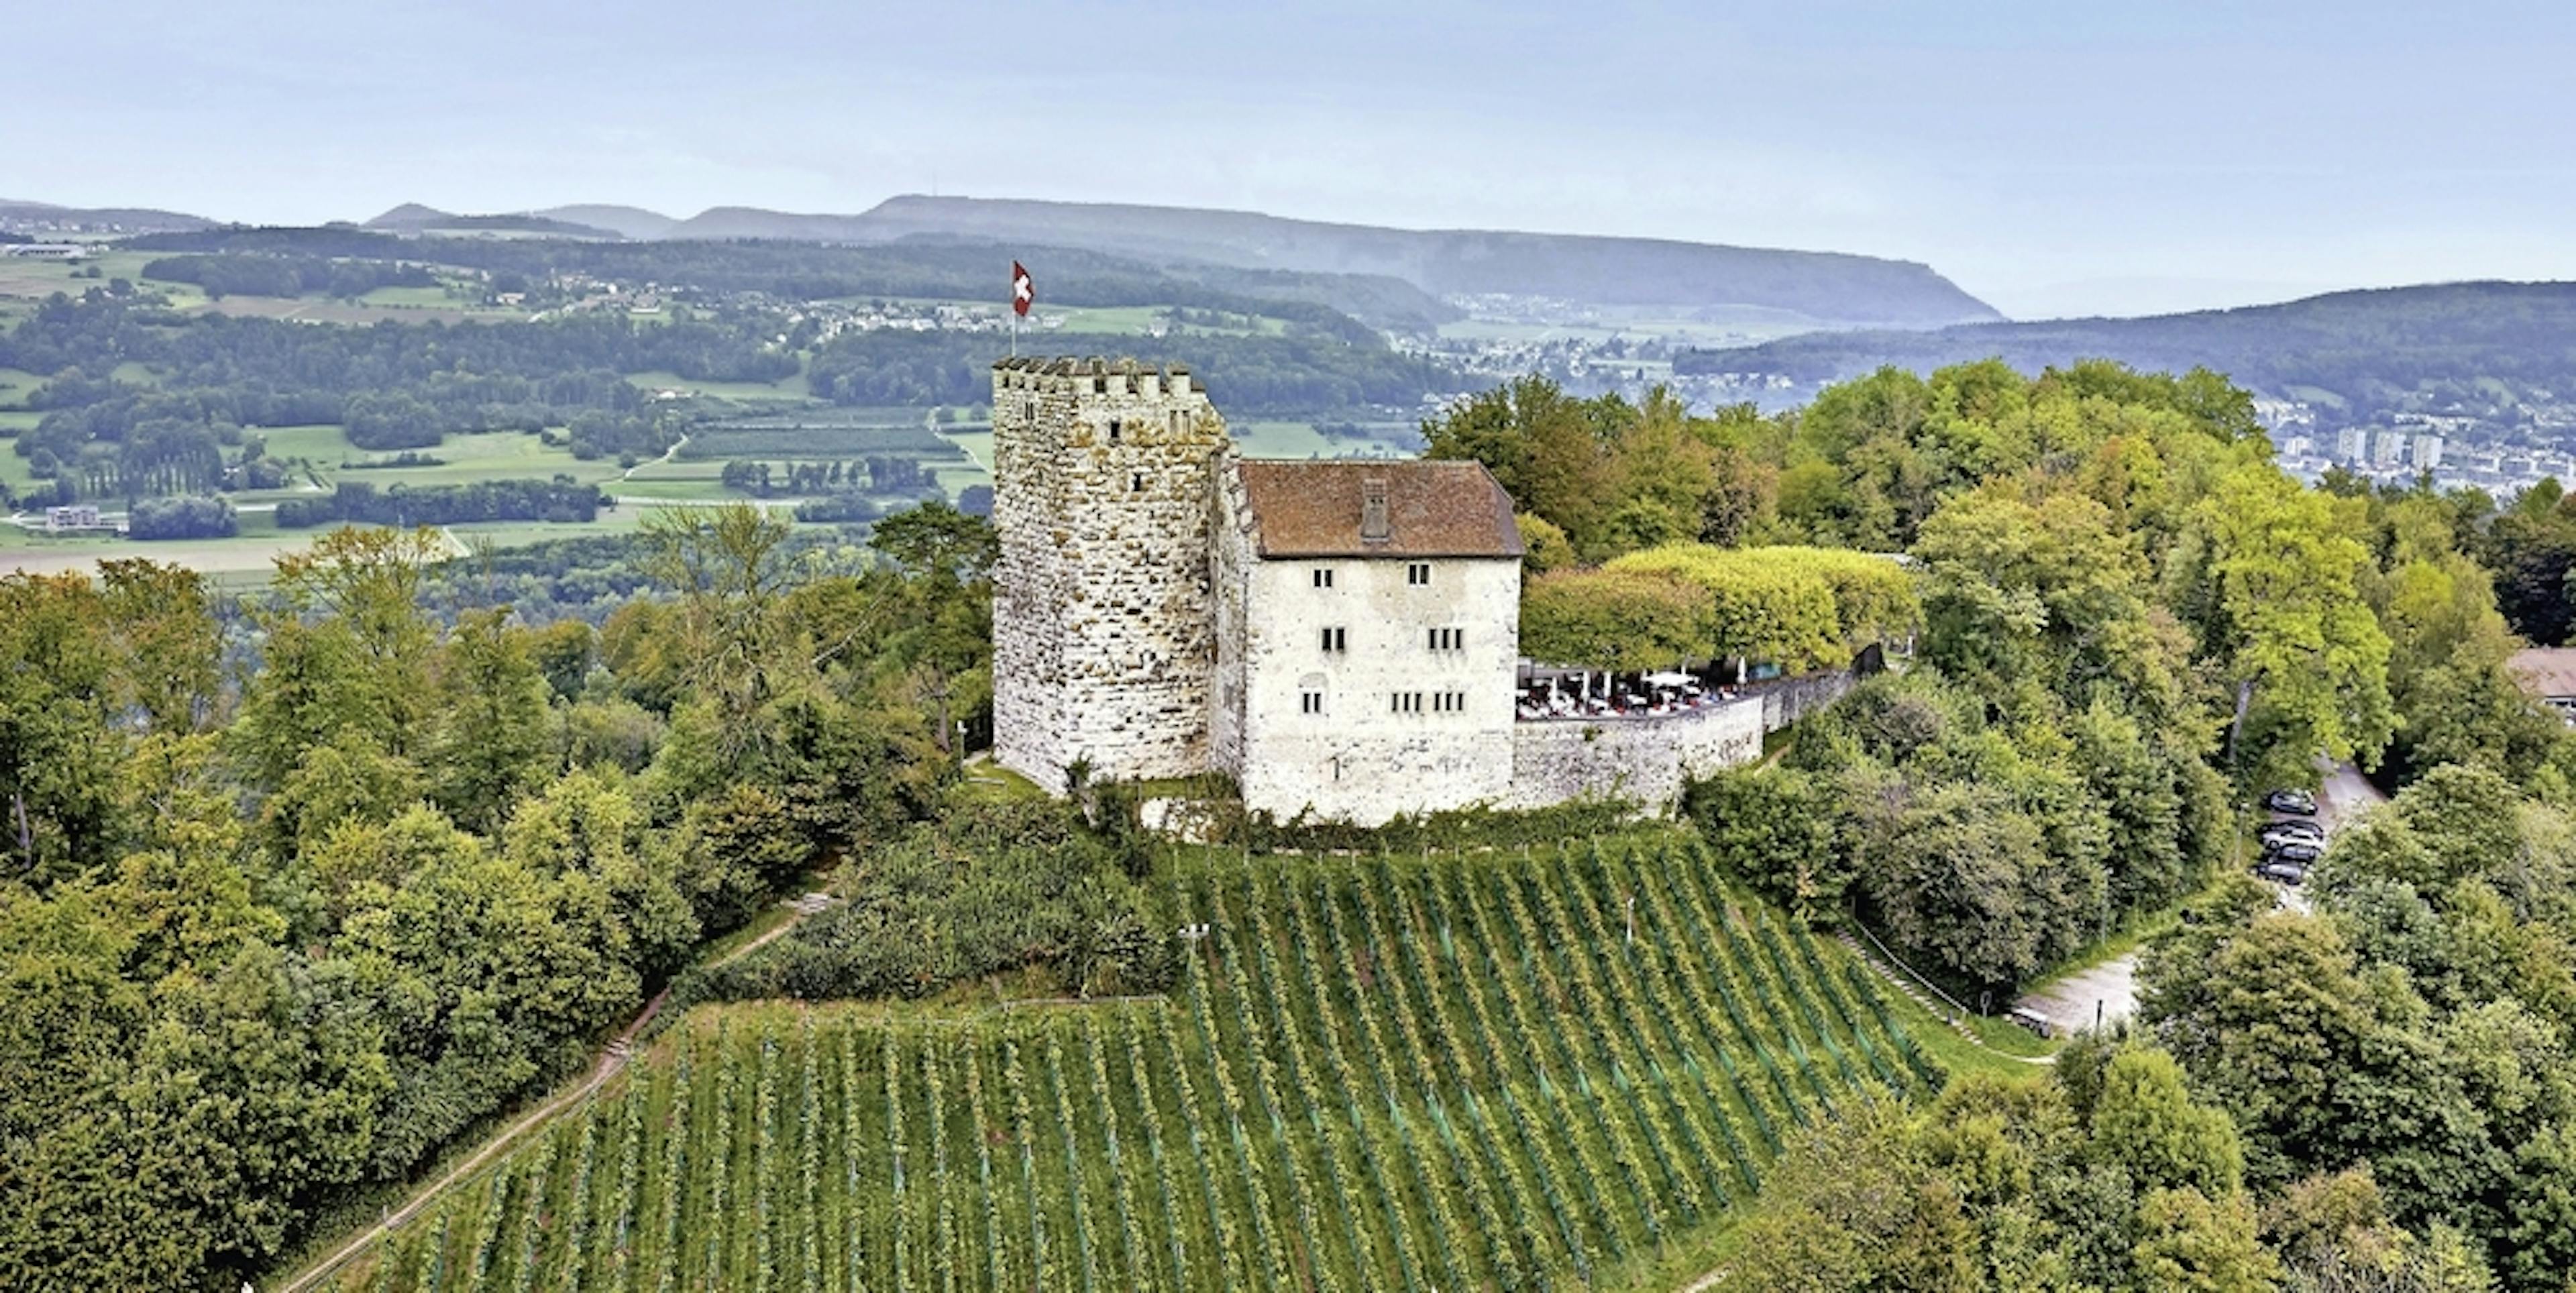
(1340, 638)
(1368, 635)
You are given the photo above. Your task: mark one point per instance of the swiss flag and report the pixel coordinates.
(1024, 292)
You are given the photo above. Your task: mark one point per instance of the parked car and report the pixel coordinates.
(2304, 832)
(2298, 854)
(2291, 801)
(2287, 872)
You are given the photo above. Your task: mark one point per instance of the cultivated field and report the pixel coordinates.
(1415, 1074)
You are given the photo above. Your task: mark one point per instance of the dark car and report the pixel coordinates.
(2295, 854)
(2294, 831)
(2291, 801)
(2287, 872)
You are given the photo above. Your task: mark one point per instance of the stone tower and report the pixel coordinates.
(1103, 640)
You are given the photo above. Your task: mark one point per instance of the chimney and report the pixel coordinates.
(1373, 522)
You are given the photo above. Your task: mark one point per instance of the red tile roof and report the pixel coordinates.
(1434, 509)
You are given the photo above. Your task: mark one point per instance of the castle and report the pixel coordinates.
(1340, 638)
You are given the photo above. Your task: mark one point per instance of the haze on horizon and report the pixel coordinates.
(2117, 158)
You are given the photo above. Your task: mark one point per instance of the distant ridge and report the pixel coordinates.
(1831, 288)
(631, 222)
(2355, 355)
(45, 216)
(414, 218)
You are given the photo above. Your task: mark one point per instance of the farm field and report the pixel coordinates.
(1409, 1073)
(247, 553)
(1302, 440)
(820, 434)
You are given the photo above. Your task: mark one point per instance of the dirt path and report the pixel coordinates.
(667, 455)
(612, 1061)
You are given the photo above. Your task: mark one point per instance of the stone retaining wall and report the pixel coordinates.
(1650, 759)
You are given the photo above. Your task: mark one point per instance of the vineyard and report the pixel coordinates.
(1414, 1074)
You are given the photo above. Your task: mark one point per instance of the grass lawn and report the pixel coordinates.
(484, 455)
(1121, 320)
(13, 470)
(323, 442)
(976, 445)
(465, 458)
(16, 385)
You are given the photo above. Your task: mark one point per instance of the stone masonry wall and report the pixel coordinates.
(1644, 759)
(1103, 638)
(1650, 759)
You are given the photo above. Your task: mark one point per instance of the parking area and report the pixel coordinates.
(2107, 993)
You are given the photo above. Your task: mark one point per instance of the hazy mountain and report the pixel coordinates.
(754, 222)
(631, 222)
(2501, 352)
(1829, 288)
(414, 218)
(46, 217)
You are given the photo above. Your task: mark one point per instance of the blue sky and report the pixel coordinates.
(2057, 158)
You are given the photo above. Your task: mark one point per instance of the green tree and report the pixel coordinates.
(491, 739)
(2285, 620)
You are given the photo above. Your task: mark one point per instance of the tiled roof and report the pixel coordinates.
(1433, 509)
(2545, 671)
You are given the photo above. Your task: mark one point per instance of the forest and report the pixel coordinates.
(403, 506)
(224, 276)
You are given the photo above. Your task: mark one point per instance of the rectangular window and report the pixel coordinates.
(1323, 577)
(1418, 573)
(1407, 702)
(1311, 702)
(1337, 639)
(1448, 639)
(1449, 702)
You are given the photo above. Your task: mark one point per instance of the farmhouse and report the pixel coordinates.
(1340, 638)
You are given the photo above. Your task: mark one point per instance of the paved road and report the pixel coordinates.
(2109, 992)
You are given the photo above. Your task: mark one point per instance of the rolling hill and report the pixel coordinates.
(631, 222)
(2494, 350)
(47, 217)
(414, 218)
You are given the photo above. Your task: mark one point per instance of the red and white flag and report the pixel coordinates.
(1024, 291)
